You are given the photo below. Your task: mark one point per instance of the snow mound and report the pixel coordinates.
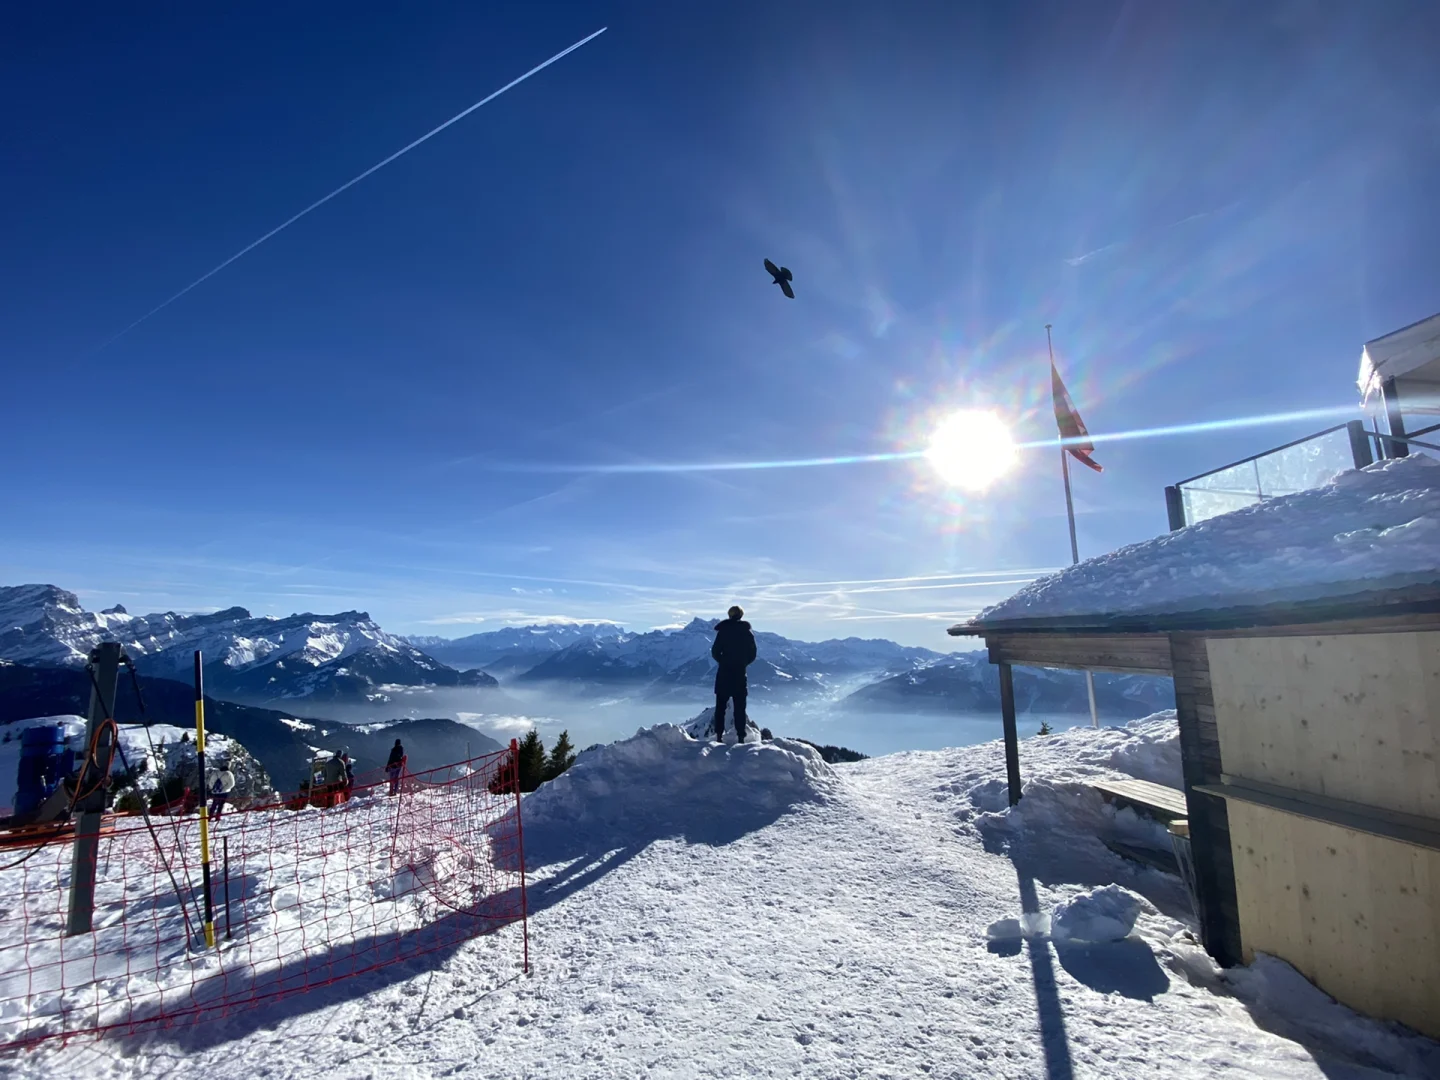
(1372, 528)
(1104, 914)
(663, 775)
(1088, 918)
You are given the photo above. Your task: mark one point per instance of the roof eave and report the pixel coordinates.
(1411, 600)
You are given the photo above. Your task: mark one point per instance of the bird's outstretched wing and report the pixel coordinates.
(772, 269)
(785, 287)
(785, 273)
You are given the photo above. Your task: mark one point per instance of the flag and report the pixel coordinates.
(1069, 422)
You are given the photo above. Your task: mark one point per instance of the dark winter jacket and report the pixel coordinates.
(397, 755)
(733, 651)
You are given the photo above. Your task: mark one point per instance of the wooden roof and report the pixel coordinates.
(1263, 612)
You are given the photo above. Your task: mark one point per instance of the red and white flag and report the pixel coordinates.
(1072, 428)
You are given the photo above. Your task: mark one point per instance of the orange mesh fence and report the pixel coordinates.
(324, 886)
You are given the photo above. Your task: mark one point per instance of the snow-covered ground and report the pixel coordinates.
(704, 911)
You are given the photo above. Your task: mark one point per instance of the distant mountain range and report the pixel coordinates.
(970, 683)
(284, 744)
(259, 659)
(310, 661)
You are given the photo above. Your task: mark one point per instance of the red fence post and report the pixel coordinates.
(520, 851)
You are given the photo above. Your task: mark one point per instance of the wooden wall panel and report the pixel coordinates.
(1354, 717)
(1358, 914)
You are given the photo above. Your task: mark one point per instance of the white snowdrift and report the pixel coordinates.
(1371, 528)
(1060, 825)
(1101, 915)
(661, 773)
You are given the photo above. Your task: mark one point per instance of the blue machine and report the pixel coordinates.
(45, 760)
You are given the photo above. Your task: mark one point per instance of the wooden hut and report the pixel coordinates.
(1303, 635)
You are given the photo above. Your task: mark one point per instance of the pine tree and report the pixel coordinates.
(532, 761)
(562, 756)
(1045, 728)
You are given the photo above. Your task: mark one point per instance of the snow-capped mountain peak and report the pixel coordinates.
(302, 655)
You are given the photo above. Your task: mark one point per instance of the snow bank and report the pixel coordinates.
(1371, 528)
(1099, 915)
(661, 781)
(1059, 829)
(1286, 1002)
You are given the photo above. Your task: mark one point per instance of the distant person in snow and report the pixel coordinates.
(349, 772)
(221, 784)
(733, 651)
(395, 766)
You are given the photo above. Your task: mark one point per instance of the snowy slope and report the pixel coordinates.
(1373, 528)
(258, 657)
(706, 911)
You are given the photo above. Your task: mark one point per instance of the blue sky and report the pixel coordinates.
(1216, 205)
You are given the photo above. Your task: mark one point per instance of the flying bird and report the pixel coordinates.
(782, 277)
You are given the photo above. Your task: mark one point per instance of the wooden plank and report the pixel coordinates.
(1145, 654)
(1356, 817)
(1012, 739)
(1164, 802)
(1354, 912)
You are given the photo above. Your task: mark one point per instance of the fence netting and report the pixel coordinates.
(320, 887)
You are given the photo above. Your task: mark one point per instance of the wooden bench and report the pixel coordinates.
(1163, 803)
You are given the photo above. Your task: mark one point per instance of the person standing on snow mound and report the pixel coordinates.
(733, 651)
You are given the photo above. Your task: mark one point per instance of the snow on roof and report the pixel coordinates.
(1365, 531)
(1403, 352)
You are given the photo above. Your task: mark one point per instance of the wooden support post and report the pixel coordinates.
(93, 785)
(1390, 395)
(1012, 738)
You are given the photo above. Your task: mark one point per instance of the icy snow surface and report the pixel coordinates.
(705, 910)
(1368, 529)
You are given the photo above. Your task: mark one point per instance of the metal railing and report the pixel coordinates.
(1295, 466)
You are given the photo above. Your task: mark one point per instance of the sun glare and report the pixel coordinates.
(971, 449)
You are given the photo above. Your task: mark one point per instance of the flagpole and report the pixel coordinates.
(1070, 518)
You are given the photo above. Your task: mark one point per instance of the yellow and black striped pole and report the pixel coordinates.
(204, 808)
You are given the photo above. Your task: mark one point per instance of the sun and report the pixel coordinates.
(971, 449)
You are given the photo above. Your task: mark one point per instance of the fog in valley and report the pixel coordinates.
(602, 717)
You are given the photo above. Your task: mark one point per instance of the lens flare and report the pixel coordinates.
(971, 449)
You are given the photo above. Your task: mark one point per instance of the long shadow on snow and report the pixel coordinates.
(586, 854)
(237, 1004)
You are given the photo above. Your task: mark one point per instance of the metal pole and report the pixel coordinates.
(1074, 545)
(204, 798)
(225, 847)
(98, 738)
(520, 850)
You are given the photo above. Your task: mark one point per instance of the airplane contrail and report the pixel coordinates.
(916, 455)
(351, 183)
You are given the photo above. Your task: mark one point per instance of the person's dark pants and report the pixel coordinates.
(394, 773)
(217, 804)
(722, 697)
